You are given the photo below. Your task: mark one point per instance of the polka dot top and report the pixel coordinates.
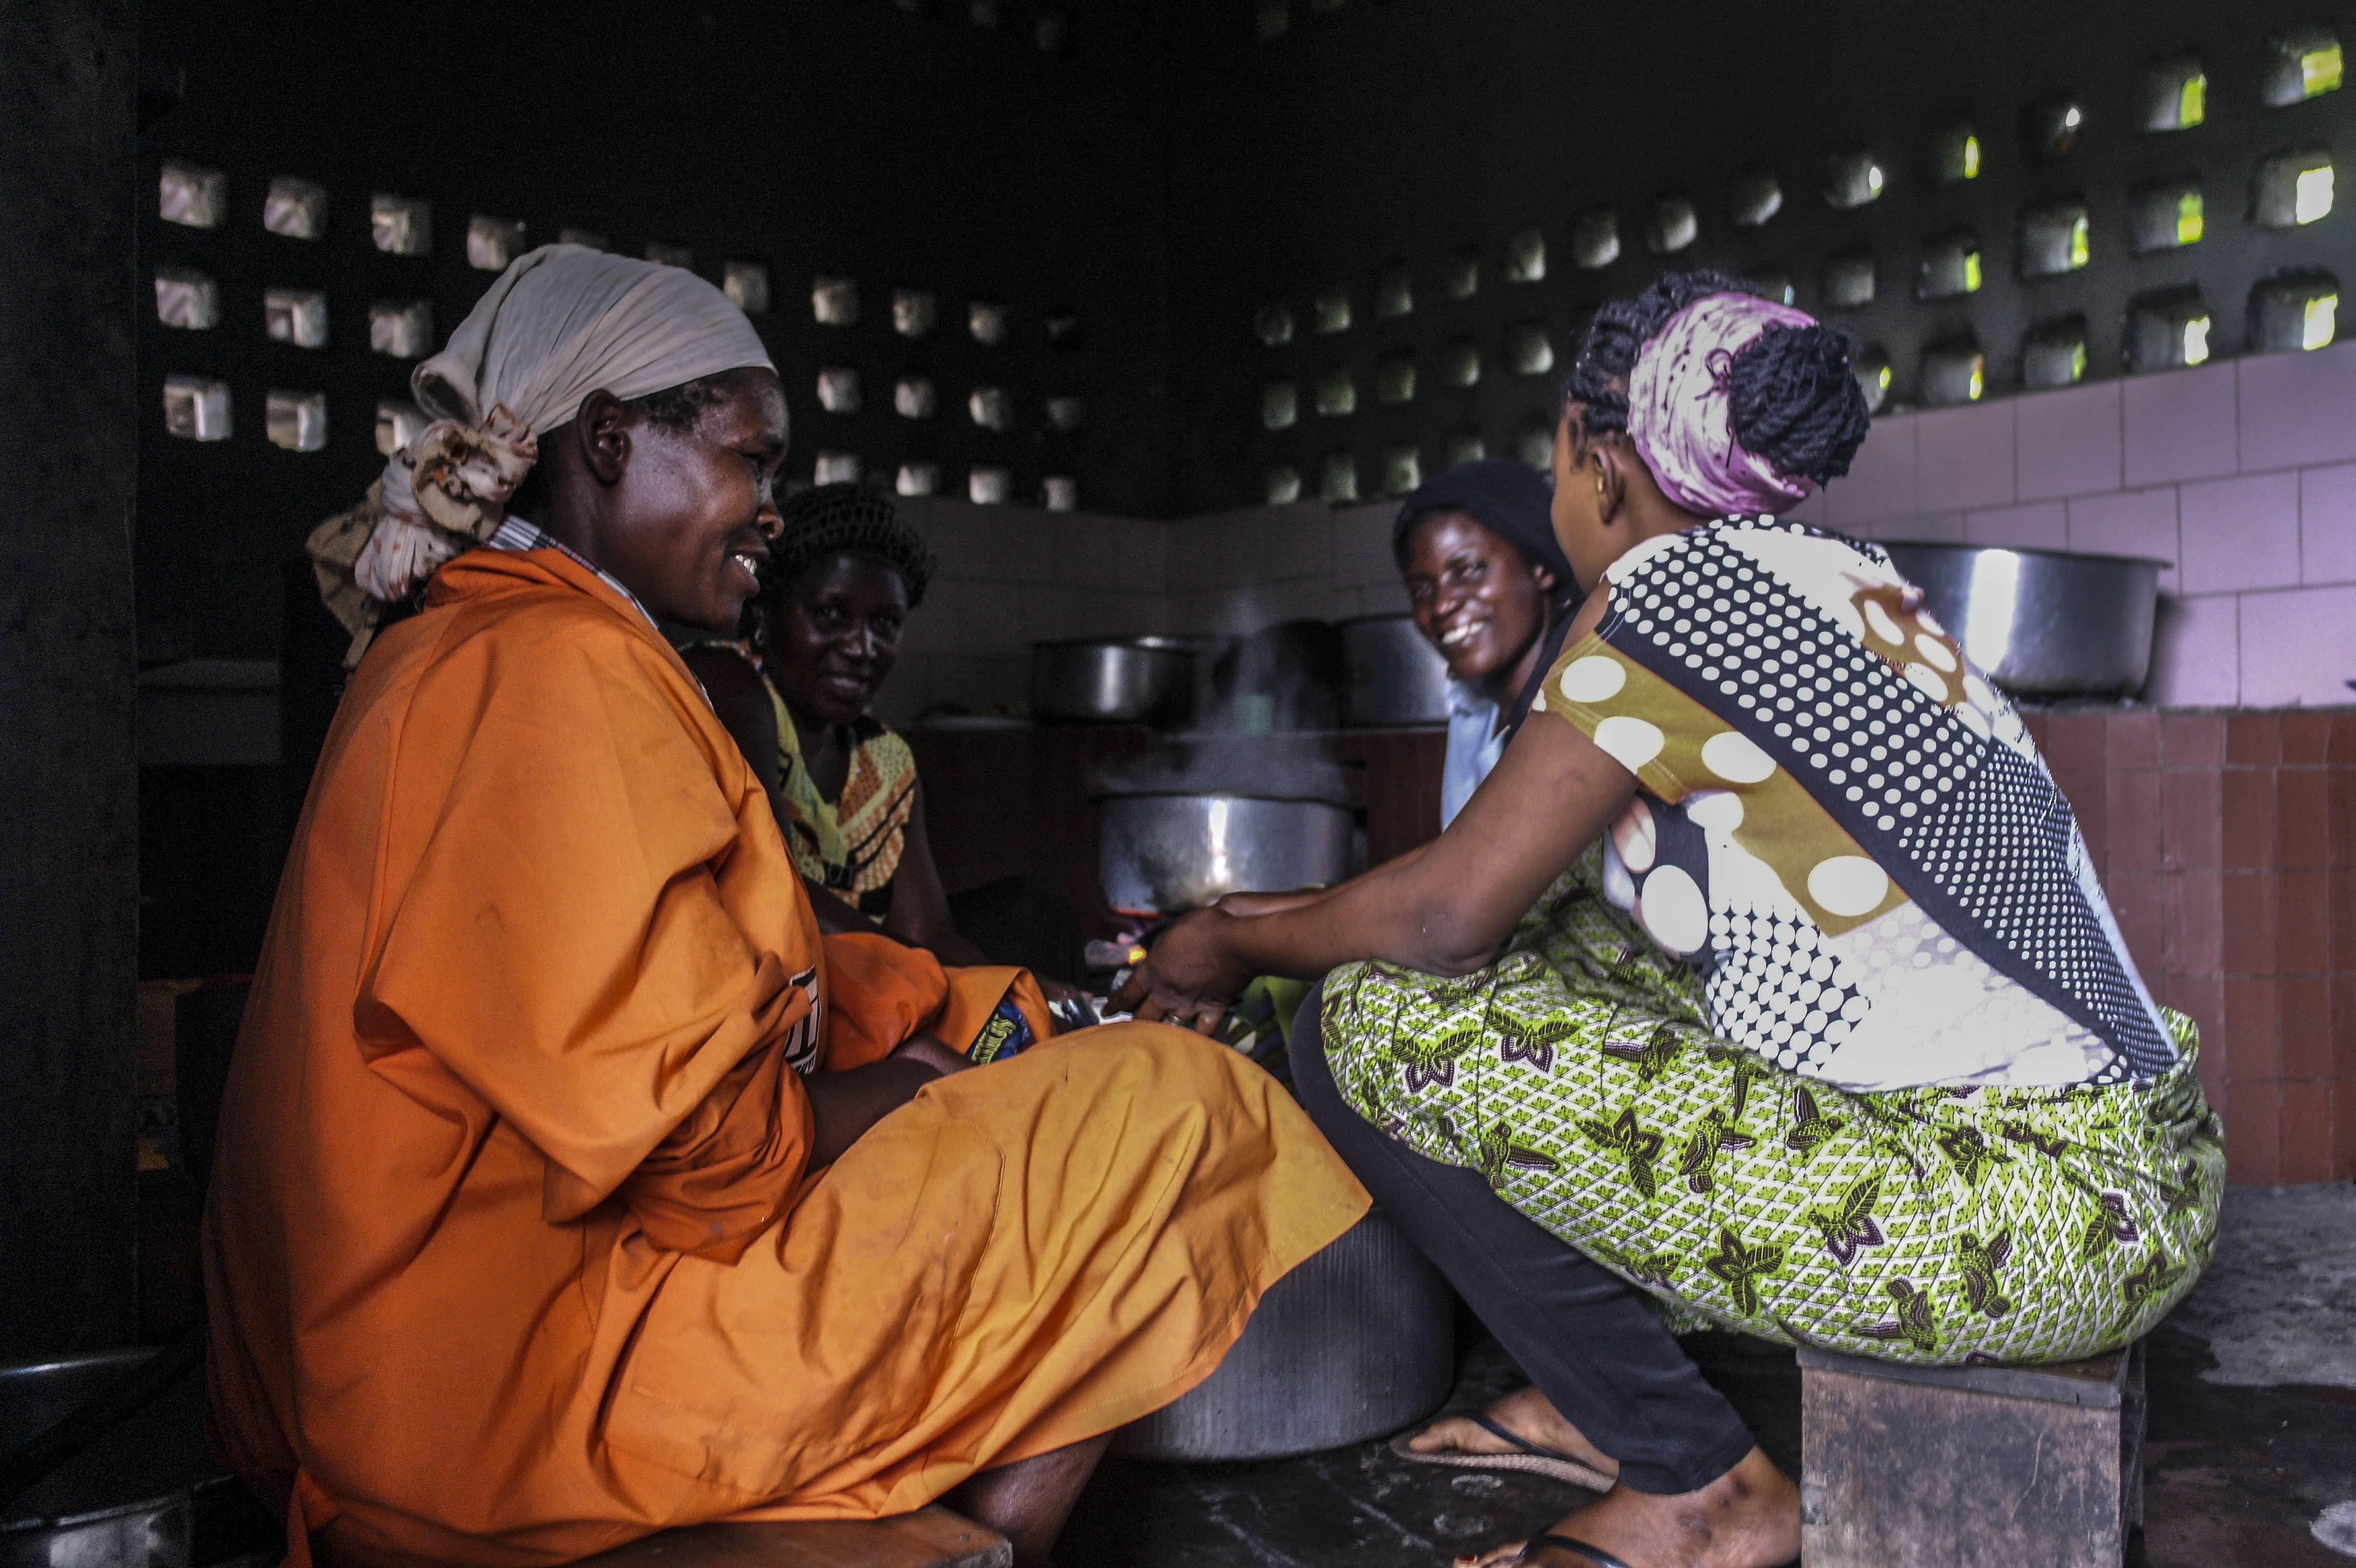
(1843, 825)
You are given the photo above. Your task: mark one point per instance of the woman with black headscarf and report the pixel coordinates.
(1492, 590)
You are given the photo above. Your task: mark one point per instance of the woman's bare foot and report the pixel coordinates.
(1748, 1517)
(1529, 1415)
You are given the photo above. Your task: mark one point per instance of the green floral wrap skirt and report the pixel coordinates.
(1936, 1225)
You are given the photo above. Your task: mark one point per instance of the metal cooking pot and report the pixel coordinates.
(122, 1502)
(1113, 680)
(1357, 1341)
(1166, 853)
(2040, 622)
(1390, 674)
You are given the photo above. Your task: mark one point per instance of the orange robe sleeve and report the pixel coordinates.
(567, 950)
(879, 992)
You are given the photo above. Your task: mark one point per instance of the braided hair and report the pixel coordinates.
(845, 519)
(1792, 392)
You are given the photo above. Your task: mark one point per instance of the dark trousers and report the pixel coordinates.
(1585, 1337)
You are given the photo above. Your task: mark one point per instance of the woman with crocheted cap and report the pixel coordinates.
(844, 576)
(1763, 986)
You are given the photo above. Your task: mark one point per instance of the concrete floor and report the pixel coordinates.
(2251, 1456)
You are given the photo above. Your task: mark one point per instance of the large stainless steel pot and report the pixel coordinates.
(122, 1502)
(2040, 622)
(1167, 852)
(1391, 675)
(1358, 1341)
(1113, 680)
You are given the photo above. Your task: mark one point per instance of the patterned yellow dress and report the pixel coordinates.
(850, 845)
(1833, 1040)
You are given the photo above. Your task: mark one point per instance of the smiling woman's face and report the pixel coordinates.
(687, 525)
(1475, 597)
(833, 634)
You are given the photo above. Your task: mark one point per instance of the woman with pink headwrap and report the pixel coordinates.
(1763, 986)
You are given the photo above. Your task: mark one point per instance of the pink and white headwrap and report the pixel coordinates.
(1679, 415)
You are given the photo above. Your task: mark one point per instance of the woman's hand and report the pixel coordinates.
(1189, 977)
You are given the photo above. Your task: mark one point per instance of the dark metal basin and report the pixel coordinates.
(2040, 622)
(125, 1501)
(1358, 1341)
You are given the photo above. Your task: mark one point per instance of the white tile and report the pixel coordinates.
(1964, 457)
(1384, 599)
(2327, 525)
(2178, 424)
(2067, 443)
(2041, 525)
(2240, 533)
(1238, 608)
(1362, 545)
(934, 625)
(2299, 647)
(1942, 528)
(1810, 511)
(1258, 543)
(1881, 479)
(2298, 407)
(994, 543)
(954, 531)
(1002, 682)
(1116, 612)
(1194, 612)
(2129, 522)
(2196, 653)
(1022, 542)
(1098, 550)
(1007, 617)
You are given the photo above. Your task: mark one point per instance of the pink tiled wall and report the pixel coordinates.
(2242, 475)
(2227, 842)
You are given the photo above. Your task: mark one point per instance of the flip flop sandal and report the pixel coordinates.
(1528, 1456)
(1602, 1558)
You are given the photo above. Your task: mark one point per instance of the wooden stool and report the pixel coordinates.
(1961, 1467)
(929, 1538)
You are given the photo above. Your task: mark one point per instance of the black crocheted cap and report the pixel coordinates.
(848, 520)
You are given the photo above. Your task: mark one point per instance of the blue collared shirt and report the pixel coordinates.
(1474, 744)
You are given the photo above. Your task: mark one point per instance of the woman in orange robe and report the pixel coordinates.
(570, 1185)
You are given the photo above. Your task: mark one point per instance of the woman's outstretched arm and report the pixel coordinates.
(1444, 911)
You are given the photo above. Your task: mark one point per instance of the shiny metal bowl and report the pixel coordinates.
(2040, 622)
(1113, 679)
(1168, 854)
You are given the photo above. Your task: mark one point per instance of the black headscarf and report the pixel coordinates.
(1506, 498)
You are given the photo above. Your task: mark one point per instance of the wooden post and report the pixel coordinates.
(1970, 1466)
(68, 849)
